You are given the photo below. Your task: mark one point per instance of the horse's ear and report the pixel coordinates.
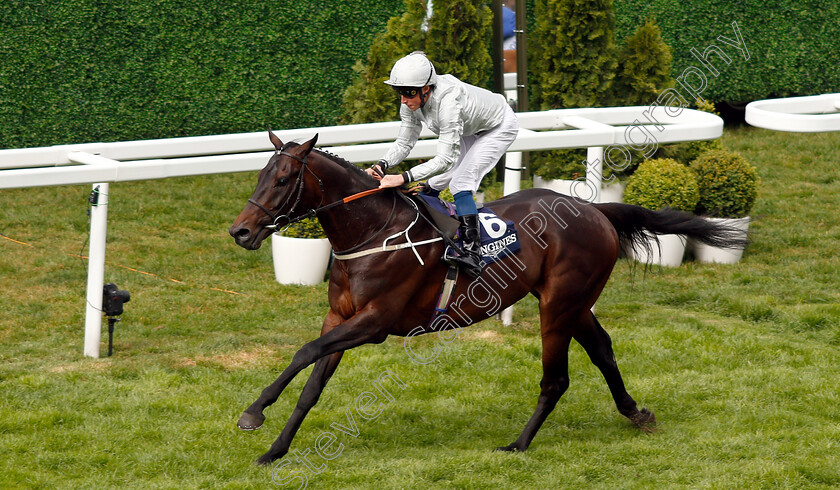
(275, 140)
(307, 147)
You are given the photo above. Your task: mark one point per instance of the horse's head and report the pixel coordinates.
(280, 195)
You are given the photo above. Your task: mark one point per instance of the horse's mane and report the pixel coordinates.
(335, 158)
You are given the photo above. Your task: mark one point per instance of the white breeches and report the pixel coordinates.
(479, 154)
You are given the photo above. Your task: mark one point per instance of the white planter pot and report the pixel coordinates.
(561, 186)
(668, 254)
(610, 193)
(300, 260)
(613, 192)
(709, 255)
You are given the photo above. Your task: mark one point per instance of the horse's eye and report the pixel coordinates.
(282, 181)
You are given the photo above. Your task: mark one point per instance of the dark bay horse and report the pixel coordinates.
(568, 250)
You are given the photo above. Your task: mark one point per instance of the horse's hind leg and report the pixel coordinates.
(555, 381)
(597, 343)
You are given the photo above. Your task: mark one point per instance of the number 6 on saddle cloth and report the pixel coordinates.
(498, 237)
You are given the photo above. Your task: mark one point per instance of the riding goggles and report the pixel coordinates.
(408, 92)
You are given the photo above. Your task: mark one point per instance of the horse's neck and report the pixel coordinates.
(339, 182)
(354, 222)
(367, 220)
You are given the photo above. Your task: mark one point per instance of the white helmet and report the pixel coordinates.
(414, 70)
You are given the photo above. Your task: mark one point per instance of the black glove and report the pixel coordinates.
(426, 189)
(380, 167)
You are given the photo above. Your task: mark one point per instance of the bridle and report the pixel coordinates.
(313, 212)
(275, 218)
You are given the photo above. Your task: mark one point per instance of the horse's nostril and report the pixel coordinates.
(239, 232)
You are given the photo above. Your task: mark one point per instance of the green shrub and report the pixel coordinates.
(573, 59)
(620, 163)
(644, 67)
(559, 164)
(787, 42)
(457, 42)
(307, 228)
(571, 164)
(662, 183)
(688, 151)
(728, 184)
(706, 106)
(572, 53)
(368, 98)
(75, 71)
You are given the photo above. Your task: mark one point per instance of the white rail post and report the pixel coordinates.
(513, 182)
(595, 174)
(96, 269)
(513, 173)
(595, 170)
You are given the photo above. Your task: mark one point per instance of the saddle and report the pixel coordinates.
(498, 236)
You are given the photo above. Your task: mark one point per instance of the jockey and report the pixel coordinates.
(475, 128)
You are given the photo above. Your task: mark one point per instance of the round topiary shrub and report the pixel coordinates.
(662, 183)
(728, 184)
(305, 228)
(689, 151)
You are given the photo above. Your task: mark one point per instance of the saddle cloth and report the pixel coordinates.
(498, 236)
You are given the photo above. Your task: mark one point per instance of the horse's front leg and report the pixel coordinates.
(253, 417)
(358, 330)
(324, 369)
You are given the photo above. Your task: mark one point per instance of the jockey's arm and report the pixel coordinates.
(449, 141)
(406, 139)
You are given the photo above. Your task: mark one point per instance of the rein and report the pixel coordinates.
(312, 212)
(349, 253)
(275, 218)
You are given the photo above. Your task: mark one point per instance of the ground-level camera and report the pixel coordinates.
(112, 305)
(113, 299)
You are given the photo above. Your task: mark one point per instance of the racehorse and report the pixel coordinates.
(568, 250)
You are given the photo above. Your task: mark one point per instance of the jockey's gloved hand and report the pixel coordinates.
(426, 189)
(380, 167)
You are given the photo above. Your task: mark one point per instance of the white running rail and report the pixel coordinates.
(811, 114)
(100, 163)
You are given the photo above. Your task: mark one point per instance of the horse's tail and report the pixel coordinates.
(634, 223)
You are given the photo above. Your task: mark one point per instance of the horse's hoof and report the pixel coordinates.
(510, 448)
(264, 460)
(269, 457)
(645, 420)
(250, 421)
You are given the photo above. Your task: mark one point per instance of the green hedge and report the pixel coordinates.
(108, 70)
(792, 43)
(95, 70)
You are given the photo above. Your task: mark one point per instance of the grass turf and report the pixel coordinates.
(739, 363)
